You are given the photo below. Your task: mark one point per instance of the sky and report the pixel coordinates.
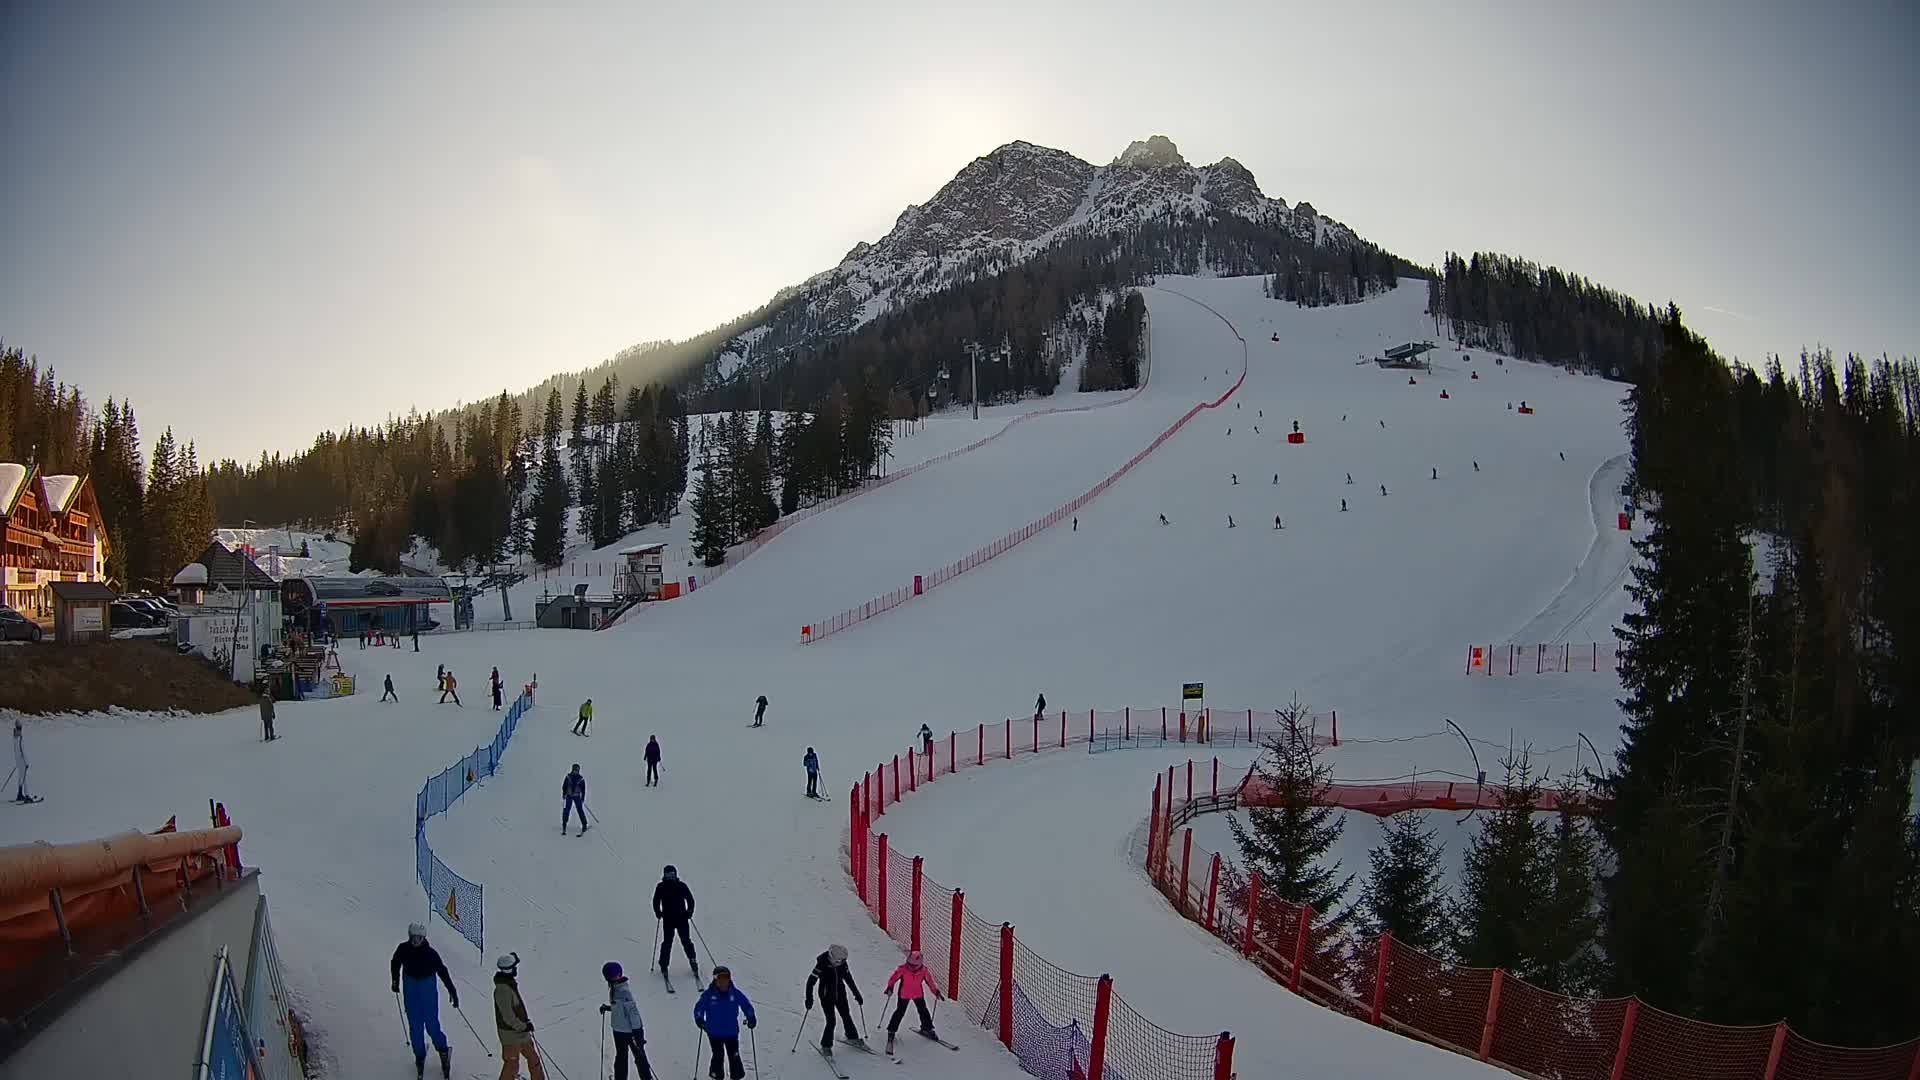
(258, 221)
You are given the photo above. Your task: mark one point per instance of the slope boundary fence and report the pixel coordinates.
(1543, 659)
(879, 605)
(1059, 1024)
(1484, 1013)
(461, 903)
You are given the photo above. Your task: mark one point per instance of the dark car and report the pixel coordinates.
(125, 616)
(159, 610)
(17, 627)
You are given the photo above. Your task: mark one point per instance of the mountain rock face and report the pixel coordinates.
(1007, 207)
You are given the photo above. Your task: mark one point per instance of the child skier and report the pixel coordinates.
(718, 1014)
(914, 982)
(831, 974)
(629, 1040)
(420, 965)
(573, 796)
(497, 688)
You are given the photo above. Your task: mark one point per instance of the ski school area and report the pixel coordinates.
(1095, 548)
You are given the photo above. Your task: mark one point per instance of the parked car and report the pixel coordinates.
(159, 610)
(17, 627)
(124, 616)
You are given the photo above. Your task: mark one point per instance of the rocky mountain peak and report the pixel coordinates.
(1156, 152)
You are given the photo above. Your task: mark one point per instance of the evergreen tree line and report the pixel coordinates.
(629, 459)
(1321, 276)
(1519, 308)
(1114, 345)
(157, 517)
(1760, 816)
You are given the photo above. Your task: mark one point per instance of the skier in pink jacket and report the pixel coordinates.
(915, 981)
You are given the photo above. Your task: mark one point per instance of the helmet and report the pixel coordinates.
(508, 962)
(670, 872)
(837, 953)
(723, 970)
(415, 930)
(914, 959)
(610, 971)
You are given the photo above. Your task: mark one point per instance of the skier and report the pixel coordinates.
(418, 961)
(926, 740)
(1040, 705)
(1276, 522)
(1436, 472)
(1383, 425)
(266, 714)
(673, 906)
(388, 694)
(1563, 455)
(20, 794)
(451, 686)
(629, 1040)
(440, 676)
(1163, 519)
(1383, 489)
(760, 710)
(1349, 478)
(497, 688)
(718, 1014)
(1343, 506)
(586, 717)
(914, 982)
(511, 1023)
(1230, 523)
(573, 794)
(836, 982)
(1276, 478)
(1476, 466)
(652, 756)
(812, 762)
(416, 639)
(1236, 478)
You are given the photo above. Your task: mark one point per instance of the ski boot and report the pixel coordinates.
(889, 1043)
(930, 1033)
(419, 1068)
(446, 1064)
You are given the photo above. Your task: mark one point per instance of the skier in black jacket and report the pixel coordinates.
(830, 973)
(418, 961)
(673, 906)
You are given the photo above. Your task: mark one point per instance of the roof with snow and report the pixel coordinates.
(13, 477)
(191, 574)
(60, 491)
(232, 569)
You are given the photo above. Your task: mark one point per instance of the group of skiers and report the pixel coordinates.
(719, 1011)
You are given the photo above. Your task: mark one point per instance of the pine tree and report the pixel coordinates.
(709, 536)
(551, 497)
(1288, 842)
(791, 463)
(761, 510)
(160, 526)
(1569, 962)
(1404, 894)
(1499, 912)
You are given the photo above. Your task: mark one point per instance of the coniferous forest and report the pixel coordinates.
(1519, 308)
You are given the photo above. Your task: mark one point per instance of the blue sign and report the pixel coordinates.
(228, 1053)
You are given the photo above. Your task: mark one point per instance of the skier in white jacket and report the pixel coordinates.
(628, 1038)
(20, 765)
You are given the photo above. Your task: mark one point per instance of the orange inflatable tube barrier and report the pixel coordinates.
(96, 880)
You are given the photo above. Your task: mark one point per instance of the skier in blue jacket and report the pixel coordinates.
(812, 762)
(420, 964)
(718, 1014)
(573, 794)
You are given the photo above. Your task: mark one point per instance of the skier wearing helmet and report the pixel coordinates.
(420, 965)
(628, 1038)
(914, 981)
(673, 906)
(511, 1023)
(835, 980)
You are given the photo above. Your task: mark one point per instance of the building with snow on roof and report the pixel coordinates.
(53, 532)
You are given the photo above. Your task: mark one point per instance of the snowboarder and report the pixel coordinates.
(573, 796)
(718, 1014)
(20, 794)
(652, 757)
(420, 964)
(497, 689)
(914, 982)
(450, 687)
(586, 717)
(926, 740)
(673, 906)
(266, 714)
(511, 1022)
(760, 710)
(387, 694)
(836, 983)
(812, 763)
(629, 1040)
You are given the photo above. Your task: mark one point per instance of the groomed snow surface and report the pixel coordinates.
(1368, 612)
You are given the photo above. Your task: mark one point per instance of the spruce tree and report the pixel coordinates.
(709, 535)
(1288, 842)
(1404, 894)
(1569, 962)
(1505, 884)
(551, 497)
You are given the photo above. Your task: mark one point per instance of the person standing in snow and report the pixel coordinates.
(20, 794)
(510, 1021)
(759, 710)
(266, 714)
(416, 639)
(718, 1014)
(673, 906)
(1039, 705)
(628, 1038)
(388, 694)
(573, 796)
(652, 756)
(812, 762)
(586, 717)
(415, 965)
(926, 740)
(831, 974)
(497, 688)
(450, 685)
(914, 981)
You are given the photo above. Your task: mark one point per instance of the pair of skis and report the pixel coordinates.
(827, 1055)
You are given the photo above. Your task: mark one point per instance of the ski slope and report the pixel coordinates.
(1367, 611)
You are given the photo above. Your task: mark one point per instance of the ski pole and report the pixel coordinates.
(883, 1009)
(547, 1057)
(803, 1027)
(753, 1042)
(656, 938)
(405, 1035)
(698, 1031)
(603, 1044)
(703, 941)
(863, 1016)
(476, 1034)
(590, 813)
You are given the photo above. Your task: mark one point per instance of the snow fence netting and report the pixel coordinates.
(461, 903)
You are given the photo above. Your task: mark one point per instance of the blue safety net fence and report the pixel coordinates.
(460, 902)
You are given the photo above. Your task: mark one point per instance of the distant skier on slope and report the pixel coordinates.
(812, 763)
(652, 757)
(629, 1039)
(586, 717)
(926, 740)
(1343, 506)
(497, 688)
(388, 694)
(1230, 523)
(450, 685)
(718, 1014)
(419, 964)
(673, 906)
(20, 793)
(573, 796)
(759, 710)
(835, 980)
(914, 981)
(1276, 522)
(1163, 519)
(1383, 489)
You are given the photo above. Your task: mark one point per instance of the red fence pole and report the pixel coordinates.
(1189, 781)
(1216, 777)
(917, 874)
(853, 844)
(1253, 912)
(1063, 727)
(1380, 977)
(1102, 1004)
(1493, 1013)
(1006, 985)
(896, 776)
(953, 759)
(953, 947)
(880, 790)
(1223, 1058)
(913, 774)
(1036, 733)
(1153, 832)
(1186, 865)
(1626, 1039)
(1336, 727)
(883, 882)
(1163, 723)
(980, 755)
(1126, 724)
(1009, 738)
(1213, 888)
(1773, 1055)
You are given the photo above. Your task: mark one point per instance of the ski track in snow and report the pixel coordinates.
(1367, 612)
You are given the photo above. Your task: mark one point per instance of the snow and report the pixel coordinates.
(12, 475)
(1368, 612)
(59, 490)
(191, 574)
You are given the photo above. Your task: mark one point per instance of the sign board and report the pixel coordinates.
(226, 1052)
(1193, 691)
(87, 619)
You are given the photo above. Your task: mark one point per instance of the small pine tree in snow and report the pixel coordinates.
(1288, 843)
(1403, 895)
(1501, 909)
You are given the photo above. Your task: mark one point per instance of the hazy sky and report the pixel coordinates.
(257, 220)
